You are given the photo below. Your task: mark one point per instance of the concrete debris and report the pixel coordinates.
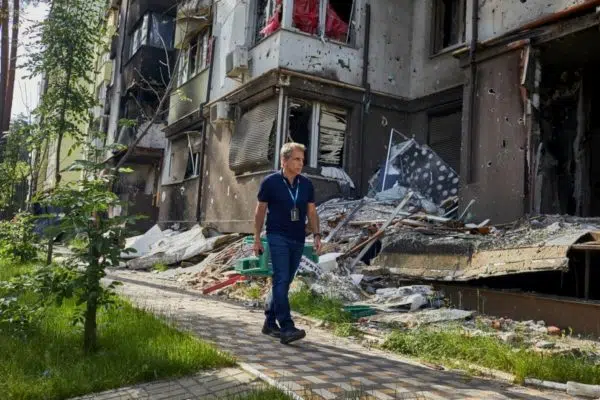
(407, 298)
(545, 344)
(579, 389)
(173, 249)
(142, 244)
(337, 287)
(413, 320)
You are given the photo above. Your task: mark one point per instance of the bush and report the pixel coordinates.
(17, 239)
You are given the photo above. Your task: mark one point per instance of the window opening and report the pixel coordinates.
(449, 20)
(300, 124)
(331, 19)
(332, 134)
(195, 57)
(268, 18)
(319, 127)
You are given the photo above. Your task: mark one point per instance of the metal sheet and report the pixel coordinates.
(582, 317)
(252, 142)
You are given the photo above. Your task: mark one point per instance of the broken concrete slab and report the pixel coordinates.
(455, 256)
(180, 247)
(422, 317)
(142, 244)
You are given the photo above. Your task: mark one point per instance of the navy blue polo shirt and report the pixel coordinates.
(274, 191)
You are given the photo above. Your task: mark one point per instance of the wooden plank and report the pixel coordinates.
(344, 222)
(586, 247)
(381, 230)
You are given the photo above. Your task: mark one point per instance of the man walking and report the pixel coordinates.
(289, 199)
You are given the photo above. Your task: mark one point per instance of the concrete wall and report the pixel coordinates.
(227, 201)
(392, 69)
(500, 16)
(429, 74)
(391, 46)
(496, 152)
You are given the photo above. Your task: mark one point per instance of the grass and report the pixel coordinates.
(320, 307)
(263, 394)
(9, 268)
(451, 344)
(160, 267)
(134, 347)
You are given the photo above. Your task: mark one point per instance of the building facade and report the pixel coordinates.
(334, 75)
(503, 92)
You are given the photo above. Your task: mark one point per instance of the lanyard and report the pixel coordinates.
(292, 196)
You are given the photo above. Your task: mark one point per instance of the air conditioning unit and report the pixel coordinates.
(220, 113)
(236, 62)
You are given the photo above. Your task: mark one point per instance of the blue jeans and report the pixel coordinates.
(285, 257)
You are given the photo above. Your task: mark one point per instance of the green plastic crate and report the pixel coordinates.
(251, 266)
(360, 311)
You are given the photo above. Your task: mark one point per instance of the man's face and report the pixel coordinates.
(295, 162)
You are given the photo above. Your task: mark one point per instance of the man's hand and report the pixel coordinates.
(317, 243)
(258, 247)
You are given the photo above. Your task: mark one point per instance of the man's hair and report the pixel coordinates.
(288, 148)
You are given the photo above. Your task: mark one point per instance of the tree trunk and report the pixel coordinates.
(63, 116)
(10, 83)
(3, 54)
(90, 327)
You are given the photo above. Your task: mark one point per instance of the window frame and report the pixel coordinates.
(287, 21)
(315, 130)
(185, 70)
(437, 27)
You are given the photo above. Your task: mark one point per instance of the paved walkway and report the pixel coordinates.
(322, 366)
(221, 384)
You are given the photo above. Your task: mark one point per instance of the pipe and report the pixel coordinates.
(367, 94)
(204, 141)
(473, 87)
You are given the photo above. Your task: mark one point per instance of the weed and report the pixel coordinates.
(253, 292)
(160, 267)
(345, 329)
(490, 352)
(317, 306)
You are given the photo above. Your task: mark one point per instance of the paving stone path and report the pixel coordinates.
(221, 384)
(322, 366)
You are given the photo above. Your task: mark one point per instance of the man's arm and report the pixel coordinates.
(314, 224)
(259, 219)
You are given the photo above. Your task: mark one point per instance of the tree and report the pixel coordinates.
(68, 41)
(12, 66)
(14, 167)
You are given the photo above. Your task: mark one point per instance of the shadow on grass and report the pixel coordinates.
(134, 346)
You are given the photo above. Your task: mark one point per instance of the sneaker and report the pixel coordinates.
(289, 337)
(272, 331)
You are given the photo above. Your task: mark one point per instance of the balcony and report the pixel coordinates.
(148, 66)
(188, 97)
(140, 7)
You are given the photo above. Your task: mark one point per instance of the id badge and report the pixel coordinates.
(295, 214)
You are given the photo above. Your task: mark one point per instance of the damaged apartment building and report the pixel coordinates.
(336, 76)
(503, 92)
(134, 76)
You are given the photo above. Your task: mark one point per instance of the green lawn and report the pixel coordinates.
(451, 344)
(48, 363)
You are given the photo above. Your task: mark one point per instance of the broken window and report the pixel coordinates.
(268, 17)
(195, 57)
(191, 169)
(332, 134)
(153, 30)
(449, 24)
(330, 19)
(319, 127)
